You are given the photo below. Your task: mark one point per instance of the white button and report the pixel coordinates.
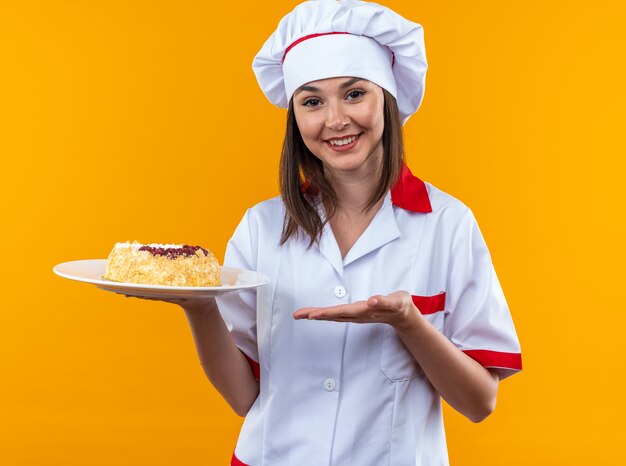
(329, 385)
(339, 291)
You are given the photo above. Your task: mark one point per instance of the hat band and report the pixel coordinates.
(337, 54)
(310, 36)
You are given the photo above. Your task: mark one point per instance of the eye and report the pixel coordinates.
(311, 102)
(355, 94)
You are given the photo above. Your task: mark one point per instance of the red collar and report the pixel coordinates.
(410, 192)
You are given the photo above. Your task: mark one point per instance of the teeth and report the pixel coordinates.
(343, 142)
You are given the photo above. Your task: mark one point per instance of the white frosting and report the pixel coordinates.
(136, 245)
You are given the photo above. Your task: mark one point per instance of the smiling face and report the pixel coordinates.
(341, 121)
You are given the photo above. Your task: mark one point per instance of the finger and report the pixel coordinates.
(148, 298)
(395, 301)
(335, 319)
(304, 312)
(343, 310)
(354, 320)
(179, 301)
(322, 315)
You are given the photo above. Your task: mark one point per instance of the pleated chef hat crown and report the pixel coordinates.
(330, 38)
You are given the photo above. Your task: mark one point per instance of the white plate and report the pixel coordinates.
(91, 271)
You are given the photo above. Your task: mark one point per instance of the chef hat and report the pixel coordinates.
(329, 38)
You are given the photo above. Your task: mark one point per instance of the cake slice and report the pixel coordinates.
(162, 264)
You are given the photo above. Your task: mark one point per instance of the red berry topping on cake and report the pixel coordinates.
(173, 253)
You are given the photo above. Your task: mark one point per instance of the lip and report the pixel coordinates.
(347, 146)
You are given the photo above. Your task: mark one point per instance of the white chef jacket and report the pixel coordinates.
(344, 394)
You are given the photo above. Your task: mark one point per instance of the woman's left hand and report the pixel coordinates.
(396, 309)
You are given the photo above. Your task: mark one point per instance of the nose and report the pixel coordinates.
(336, 118)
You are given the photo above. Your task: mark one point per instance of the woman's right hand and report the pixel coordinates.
(188, 304)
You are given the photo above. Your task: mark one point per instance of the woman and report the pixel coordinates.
(383, 298)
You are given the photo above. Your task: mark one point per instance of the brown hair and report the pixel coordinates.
(302, 175)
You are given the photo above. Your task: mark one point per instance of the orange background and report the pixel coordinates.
(143, 120)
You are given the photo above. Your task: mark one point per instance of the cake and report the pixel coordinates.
(162, 264)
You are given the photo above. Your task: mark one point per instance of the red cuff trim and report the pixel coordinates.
(256, 369)
(496, 359)
(234, 461)
(430, 304)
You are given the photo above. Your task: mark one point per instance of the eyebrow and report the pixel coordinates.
(316, 89)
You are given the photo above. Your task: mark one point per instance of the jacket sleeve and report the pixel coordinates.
(239, 309)
(478, 320)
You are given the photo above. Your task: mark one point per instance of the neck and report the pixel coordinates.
(355, 188)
